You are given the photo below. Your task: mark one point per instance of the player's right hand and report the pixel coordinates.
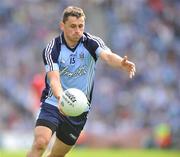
(59, 106)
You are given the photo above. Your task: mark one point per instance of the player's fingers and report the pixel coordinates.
(133, 68)
(61, 111)
(131, 73)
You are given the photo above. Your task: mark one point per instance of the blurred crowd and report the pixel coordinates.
(147, 31)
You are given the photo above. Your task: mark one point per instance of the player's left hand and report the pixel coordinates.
(128, 66)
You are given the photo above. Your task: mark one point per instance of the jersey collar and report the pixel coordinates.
(63, 41)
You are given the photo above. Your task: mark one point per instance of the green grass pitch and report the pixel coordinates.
(77, 152)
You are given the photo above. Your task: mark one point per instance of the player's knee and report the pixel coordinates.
(41, 143)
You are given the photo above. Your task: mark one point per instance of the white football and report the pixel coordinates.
(74, 102)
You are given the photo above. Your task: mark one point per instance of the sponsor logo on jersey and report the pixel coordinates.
(82, 70)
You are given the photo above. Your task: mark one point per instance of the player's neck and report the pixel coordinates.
(70, 43)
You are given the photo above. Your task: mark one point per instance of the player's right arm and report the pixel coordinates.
(50, 58)
(54, 79)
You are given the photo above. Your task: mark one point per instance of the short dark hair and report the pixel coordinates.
(72, 11)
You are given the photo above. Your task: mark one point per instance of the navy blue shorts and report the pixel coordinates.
(67, 128)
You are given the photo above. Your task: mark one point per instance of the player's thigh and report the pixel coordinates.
(42, 135)
(47, 122)
(59, 149)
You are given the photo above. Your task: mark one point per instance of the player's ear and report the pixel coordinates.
(61, 25)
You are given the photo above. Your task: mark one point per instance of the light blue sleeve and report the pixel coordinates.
(54, 66)
(100, 49)
(50, 56)
(101, 46)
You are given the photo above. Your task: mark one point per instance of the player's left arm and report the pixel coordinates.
(118, 62)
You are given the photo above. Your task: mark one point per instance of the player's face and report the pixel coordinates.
(73, 29)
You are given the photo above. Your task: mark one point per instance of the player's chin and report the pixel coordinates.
(76, 39)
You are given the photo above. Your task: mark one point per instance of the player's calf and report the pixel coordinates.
(59, 149)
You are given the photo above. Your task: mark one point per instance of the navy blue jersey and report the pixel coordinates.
(76, 65)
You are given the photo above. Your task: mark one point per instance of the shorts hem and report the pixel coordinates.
(46, 123)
